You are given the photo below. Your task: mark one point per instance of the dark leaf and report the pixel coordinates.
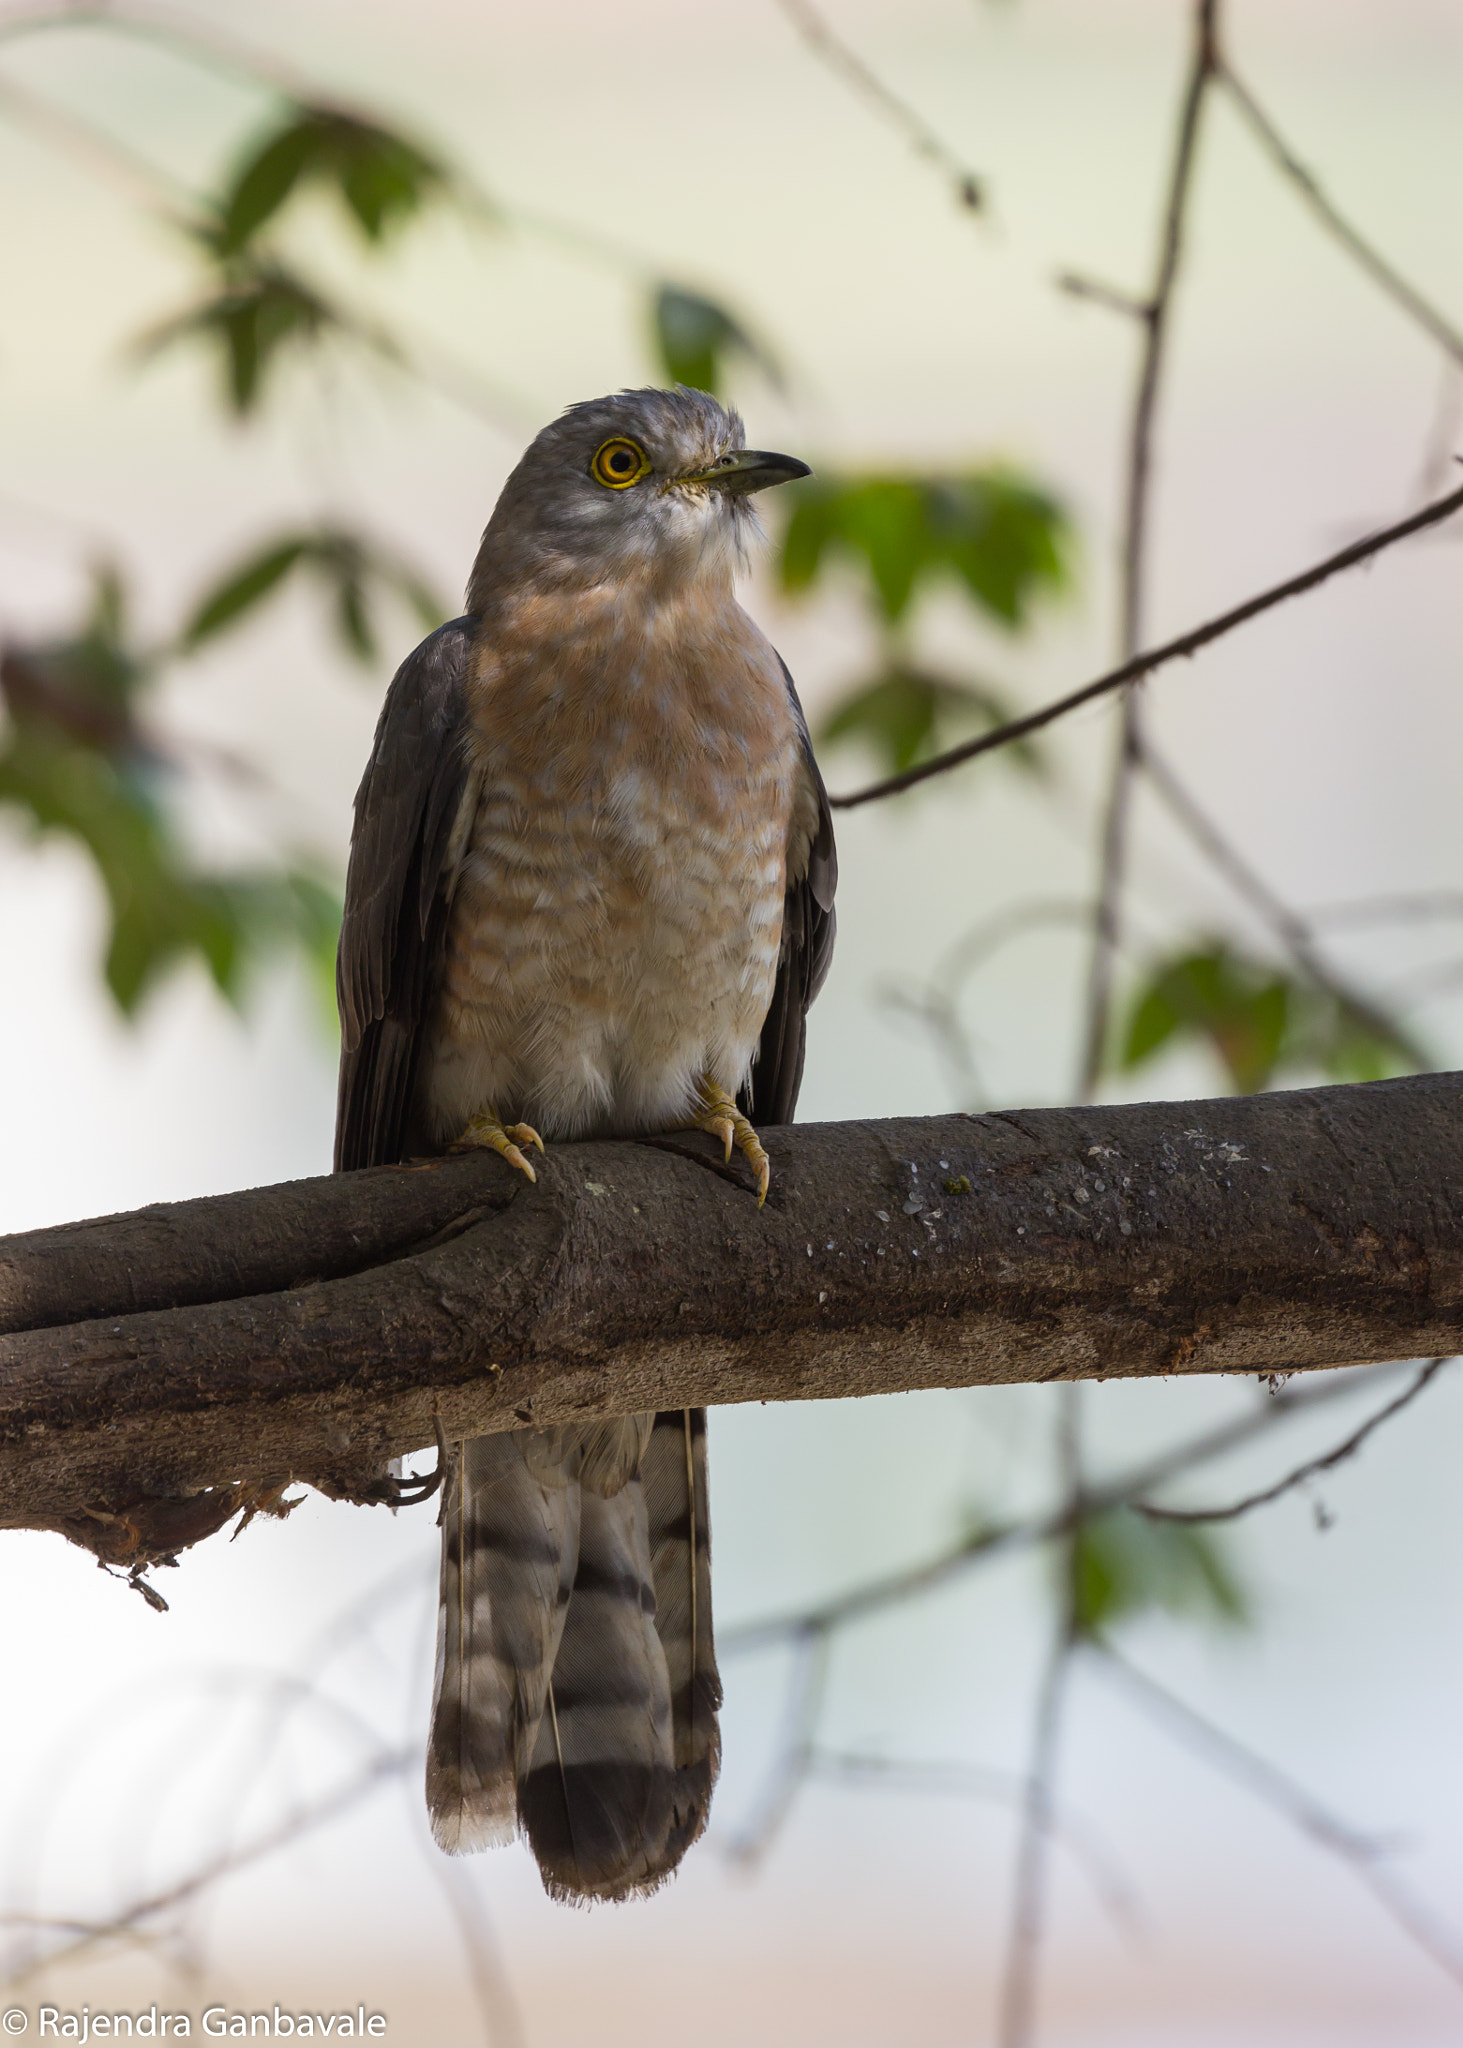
(262, 184)
(1006, 541)
(354, 570)
(381, 178)
(240, 591)
(1261, 1021)
(696, 340)
(257, 313)
(907, 714)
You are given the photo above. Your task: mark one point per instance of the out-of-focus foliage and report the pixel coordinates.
(907, 714)
(1002, 539)
(1125, 1567)
(696, 341)
(252, 315)
(355, 573)
(380, 177)
(76, 759)
(255, 309)
(1262, 1022)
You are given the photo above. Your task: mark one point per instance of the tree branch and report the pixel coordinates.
(851, 68)
(1378, 269)
(319, 1329)
(1327, 1462)
(1107, 908)
(1158, 657)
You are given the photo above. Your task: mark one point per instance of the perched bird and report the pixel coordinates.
(590, 895)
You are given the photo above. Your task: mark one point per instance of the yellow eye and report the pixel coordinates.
(619, 463)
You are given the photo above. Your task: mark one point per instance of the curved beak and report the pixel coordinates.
(749, 469)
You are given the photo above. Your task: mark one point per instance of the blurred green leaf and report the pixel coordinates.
(74, 761)
(1124, 1566)
(258, 312)
(381, 178)
(908, 714)
(1260, 1021)
(696, 340)
(353, 570)
(1004, 539)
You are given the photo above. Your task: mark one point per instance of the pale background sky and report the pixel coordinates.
(706, 138)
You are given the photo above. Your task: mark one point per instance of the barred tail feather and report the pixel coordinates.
(510, 1543)
(596, 1804)
(674, 1476)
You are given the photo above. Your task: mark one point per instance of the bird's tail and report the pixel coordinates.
(576, 1679)
(510, 1544)
(673, 1473)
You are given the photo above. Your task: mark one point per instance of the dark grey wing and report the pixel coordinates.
(808, 927)
(396, 905)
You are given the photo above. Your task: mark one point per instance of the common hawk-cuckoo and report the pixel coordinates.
(590, 895)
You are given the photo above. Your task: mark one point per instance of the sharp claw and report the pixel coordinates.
(525, 1135)
(515, 1158)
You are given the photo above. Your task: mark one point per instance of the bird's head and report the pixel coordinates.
(644, 485)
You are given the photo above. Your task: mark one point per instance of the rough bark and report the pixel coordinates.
(316, 1330)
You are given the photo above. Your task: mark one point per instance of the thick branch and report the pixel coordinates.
(321, 1328)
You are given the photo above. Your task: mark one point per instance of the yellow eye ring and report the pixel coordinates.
(619, 463)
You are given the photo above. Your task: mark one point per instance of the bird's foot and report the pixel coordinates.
(719, 1116)
(486, 1134)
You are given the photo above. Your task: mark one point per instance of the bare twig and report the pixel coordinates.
(184, 34)
(806, 1687)
(101, 153)
(838, 57)
(1016, 2017)
(1107, 909)
(502, 2021)
(1326, 1463)
(1378, 269)
(1171, 650)
(305, 1818)
(1001, 1539)
(1362, 1854)
(1077, 286)
(942, 1780)
(1293, 930)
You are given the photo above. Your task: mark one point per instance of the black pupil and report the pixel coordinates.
(621, 461)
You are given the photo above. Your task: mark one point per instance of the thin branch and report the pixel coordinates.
(1362, 1854)
(1017, 2012)
(303, 1820)
(502, 2021)
(1440, 450)
(184, 34)
(1001, 1539)
(1171, 650)
(1378, 269)
(1107, 909)
(1076, 286)
(952, 1780)
(851, 68)
(1421, 906)
(101, 153)
(1302, 1473)
(1293, 930)
(803, 1707)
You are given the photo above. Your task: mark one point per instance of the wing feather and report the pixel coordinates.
(809, 924)
(397, 895)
